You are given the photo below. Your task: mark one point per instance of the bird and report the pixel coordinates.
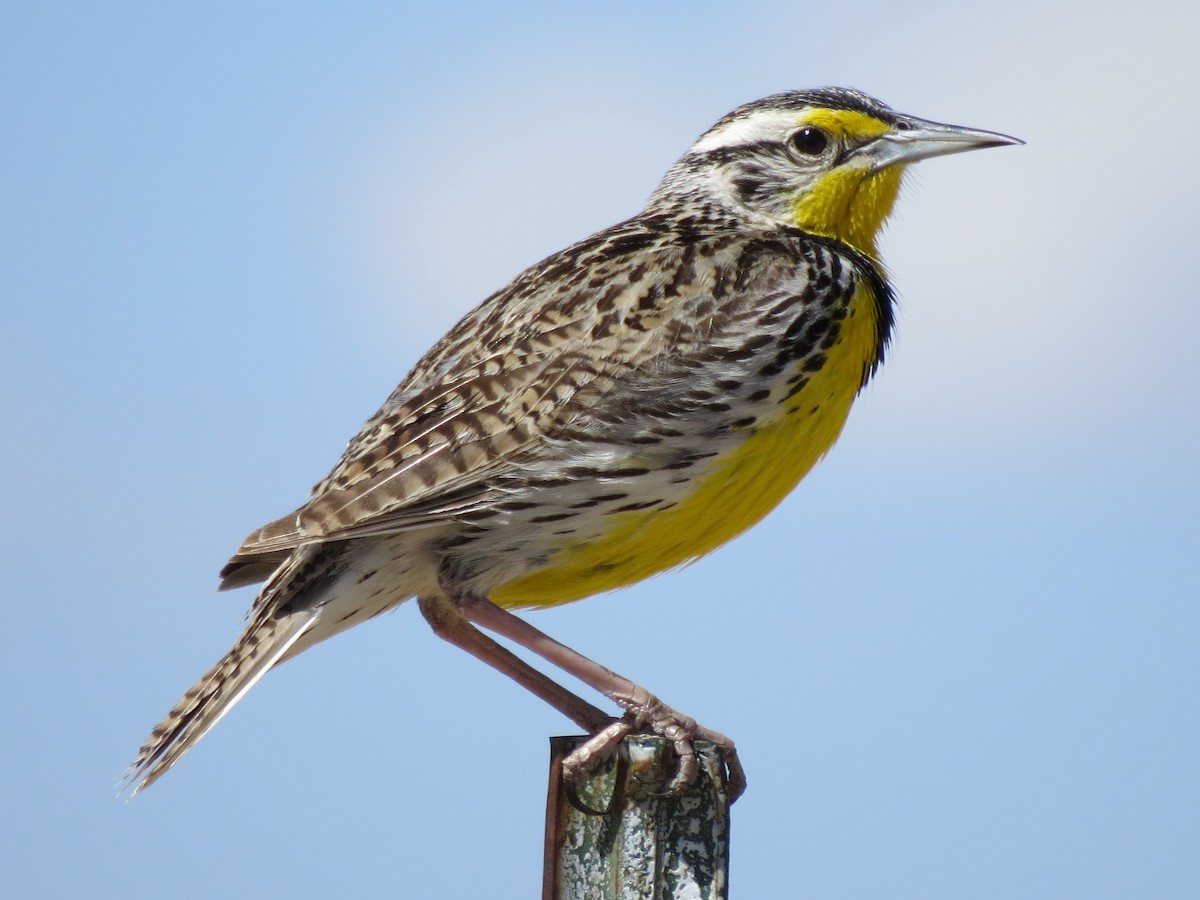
(621, 408)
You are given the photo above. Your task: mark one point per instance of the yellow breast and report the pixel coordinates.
(739, 489)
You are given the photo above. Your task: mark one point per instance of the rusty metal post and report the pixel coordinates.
(618, 838)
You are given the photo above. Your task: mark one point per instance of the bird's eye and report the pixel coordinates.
(810, 141)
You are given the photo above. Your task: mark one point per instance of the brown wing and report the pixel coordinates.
(538, 359)
(486, 392)
(419, 461)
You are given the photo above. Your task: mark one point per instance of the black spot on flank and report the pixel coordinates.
(799, 324)
(577, 472)
(814, 362)
(627, 473)
(631, 507)
(744, 423)
(551, 482)
(758, 342)
(798, 350)
(759, 395)
(819, 327)
(668, 432)
(771, 369)
(552, 517)
(795, 389)
(731, 354)
(727, 384)
(455, 542)
(598, 499)
(515, 505)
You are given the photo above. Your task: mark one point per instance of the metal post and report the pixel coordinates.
(618, 838)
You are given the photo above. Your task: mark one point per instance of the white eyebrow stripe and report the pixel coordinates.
(763, 125)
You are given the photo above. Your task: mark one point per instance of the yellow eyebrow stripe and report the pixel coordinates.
(844, 123)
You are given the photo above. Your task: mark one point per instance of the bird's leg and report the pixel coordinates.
(642, 709)
(449, 625)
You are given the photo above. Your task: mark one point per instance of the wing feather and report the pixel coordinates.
(490, 393)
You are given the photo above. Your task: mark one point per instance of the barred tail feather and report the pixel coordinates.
(264, 643)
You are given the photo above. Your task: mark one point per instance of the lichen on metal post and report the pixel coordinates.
(618, 837)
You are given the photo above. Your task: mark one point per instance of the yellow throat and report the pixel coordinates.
(850, 203)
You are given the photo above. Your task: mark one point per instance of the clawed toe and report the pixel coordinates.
(648, 715)
(581, 762)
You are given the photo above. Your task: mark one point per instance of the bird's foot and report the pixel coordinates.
(646, 714)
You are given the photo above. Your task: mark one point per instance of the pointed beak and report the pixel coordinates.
(912, 139)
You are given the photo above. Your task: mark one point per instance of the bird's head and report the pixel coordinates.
(827, 161)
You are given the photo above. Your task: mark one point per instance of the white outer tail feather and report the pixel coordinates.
(215, 694)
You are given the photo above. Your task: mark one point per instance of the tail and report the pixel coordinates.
(265, 642)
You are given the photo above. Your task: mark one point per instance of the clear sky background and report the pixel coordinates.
(960, 661)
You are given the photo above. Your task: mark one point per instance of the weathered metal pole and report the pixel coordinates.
(617, 837)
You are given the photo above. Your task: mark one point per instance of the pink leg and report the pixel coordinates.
(643, 709)
(449, 625)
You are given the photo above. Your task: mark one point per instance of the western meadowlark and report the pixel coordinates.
(621, 408)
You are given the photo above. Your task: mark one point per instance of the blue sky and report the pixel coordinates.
(961, 660)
